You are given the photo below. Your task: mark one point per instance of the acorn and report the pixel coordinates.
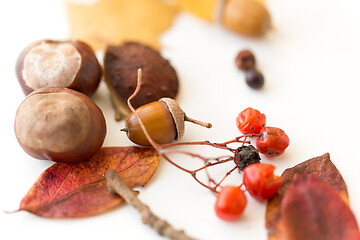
(164, 120)
(246, 17)
(63, 64)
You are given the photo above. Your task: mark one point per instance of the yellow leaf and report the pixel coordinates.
(202, 8)
(205, 9)
(112, 21)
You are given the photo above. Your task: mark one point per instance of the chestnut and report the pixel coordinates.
(59, 124)
(65, 64)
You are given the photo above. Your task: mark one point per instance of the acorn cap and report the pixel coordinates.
(177, 114)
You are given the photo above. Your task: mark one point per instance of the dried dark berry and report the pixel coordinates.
(254, 79)
(245, 156)
(245, 60)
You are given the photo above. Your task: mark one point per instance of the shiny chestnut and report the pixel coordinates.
(59, 124)
(65, 64)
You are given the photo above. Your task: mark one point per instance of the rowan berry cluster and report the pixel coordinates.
(258, 178)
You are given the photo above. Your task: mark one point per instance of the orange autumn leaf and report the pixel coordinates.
(320, 168)
(69, 190)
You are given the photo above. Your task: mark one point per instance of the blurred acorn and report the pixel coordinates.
(245, 17)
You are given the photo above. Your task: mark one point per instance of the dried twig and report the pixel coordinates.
(116, 186)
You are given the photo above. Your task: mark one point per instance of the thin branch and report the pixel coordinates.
(203, 184)
(210, 164)
(226, 175)
(163, 228)
(216, 145)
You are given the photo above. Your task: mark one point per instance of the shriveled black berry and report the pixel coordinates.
(245, 156)
(254, 79)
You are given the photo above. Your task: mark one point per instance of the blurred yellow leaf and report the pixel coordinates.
(112, 21)
(202, 8)
(205, 9)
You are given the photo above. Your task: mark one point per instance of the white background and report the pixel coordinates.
(310, 60)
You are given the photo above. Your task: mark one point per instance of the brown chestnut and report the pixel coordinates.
(59, 124)
(65, 64)
(164, 121)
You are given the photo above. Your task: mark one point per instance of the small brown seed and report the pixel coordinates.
(245, 60)
(254, 79)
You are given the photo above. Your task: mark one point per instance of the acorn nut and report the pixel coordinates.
(164, 121)
(246, 17)
(65, 64)
(59, 124)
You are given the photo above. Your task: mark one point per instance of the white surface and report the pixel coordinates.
(310, 61)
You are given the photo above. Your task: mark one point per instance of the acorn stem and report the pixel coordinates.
(204, 124)
(124, 129)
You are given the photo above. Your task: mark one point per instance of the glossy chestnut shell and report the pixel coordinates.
(59, 124)
(65, 64)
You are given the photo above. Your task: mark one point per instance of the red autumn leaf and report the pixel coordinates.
(311, 209)
(68, 190)
(320, 167)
